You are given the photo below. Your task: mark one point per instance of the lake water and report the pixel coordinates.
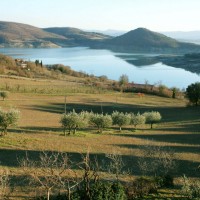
(104, 62)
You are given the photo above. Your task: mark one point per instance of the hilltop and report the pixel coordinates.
(144, 40)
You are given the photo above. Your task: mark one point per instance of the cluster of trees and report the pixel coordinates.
(72, 121)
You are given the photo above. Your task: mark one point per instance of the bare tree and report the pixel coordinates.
(156, 160)
(116, 164)
(4, 184)
(48, 172)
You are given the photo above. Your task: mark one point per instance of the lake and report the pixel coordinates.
(105, 62)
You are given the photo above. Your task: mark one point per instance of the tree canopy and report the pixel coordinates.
(193, 93)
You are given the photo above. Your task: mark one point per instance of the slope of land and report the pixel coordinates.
(22, 35)
(77, 36)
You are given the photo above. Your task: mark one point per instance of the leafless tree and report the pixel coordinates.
(156, 160)
(4, 184)
(116, 164)
(51, 171)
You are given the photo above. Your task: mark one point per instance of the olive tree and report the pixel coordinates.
(4, 95)
(72, 121)
(152, 117)
(123, 81)
(8, 118)
(193, 93)
(137, 119)
(101, 121)
(120, 119)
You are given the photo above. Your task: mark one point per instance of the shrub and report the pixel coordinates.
(140, 187)
(191, 189)
(165, 181)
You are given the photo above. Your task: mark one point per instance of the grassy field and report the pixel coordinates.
(41, 104)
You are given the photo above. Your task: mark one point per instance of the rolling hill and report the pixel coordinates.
(144, 40)
(77, 36)
(140, 40)
(22, 35)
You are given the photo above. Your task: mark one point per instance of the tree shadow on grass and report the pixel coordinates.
(169, 114)
(32, 129)
(35, 129)
(175, 149)
(190, 138)
(11, 158)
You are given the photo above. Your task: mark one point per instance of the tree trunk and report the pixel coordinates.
(48, 194)
(69, 131)
(64, 131)
(151, 125)
(5, 130)
(120, 128)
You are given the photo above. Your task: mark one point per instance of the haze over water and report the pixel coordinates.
(104, 62)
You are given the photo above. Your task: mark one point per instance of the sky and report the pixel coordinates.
(156, 15)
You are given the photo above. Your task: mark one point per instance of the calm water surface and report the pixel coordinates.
(104, 62)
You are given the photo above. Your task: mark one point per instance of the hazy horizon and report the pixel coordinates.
(156, 15)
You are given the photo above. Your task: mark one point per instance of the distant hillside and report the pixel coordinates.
(23, 35)
(140, 40)
(75, 33)
(144, 40)
(111, 32)
(77, 36)
(185, 36)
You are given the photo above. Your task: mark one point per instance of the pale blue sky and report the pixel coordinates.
(157, 15)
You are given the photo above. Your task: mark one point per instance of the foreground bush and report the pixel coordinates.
(140, 187)
(98, 191)
(191, 189)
